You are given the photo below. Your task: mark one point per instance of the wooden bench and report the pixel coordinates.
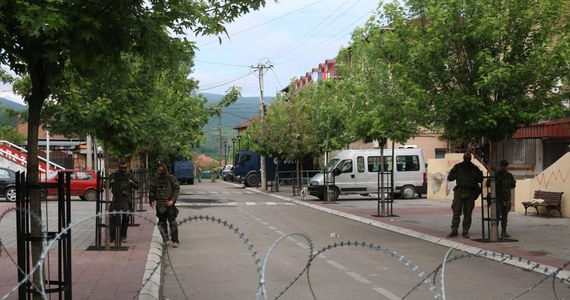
(548, 200)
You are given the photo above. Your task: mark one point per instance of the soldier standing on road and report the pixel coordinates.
(465, 193)
(199, 173)
(122, 184)
(505, 182)
(162, 196)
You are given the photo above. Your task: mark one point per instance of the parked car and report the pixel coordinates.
(83, 184)
(227, 173)
(8, 184)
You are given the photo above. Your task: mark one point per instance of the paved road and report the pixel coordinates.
(214, 261)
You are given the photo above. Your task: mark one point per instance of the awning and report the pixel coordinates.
(550, 129)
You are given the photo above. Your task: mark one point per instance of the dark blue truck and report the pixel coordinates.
(247, 168)
(183, 170)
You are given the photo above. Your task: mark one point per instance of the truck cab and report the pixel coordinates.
(183, 170)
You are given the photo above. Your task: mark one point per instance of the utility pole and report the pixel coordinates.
(260, 67)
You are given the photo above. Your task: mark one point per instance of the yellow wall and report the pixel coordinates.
(439, 188)
(554, 179)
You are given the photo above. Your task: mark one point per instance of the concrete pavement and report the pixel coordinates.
(538, 243)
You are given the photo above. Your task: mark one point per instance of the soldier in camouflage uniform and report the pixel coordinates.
(162, 196)
(122, 184)
(505, 182)
(465, 193)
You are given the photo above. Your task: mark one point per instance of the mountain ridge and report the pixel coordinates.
(242, 110)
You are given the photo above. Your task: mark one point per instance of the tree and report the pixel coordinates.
(229, 98)
(479, 68)
(149, 110)
(44, 39)
(379, 107)
(303, 123)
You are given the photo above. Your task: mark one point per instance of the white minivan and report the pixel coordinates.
(357, 172)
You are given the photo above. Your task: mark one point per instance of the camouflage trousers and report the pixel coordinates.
(503, 209)
(462, 204)
(169, 215)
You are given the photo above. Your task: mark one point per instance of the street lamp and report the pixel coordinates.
(233, 148)
(238, 140)
(225, 153)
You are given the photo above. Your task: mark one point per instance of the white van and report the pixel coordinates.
(356, 172)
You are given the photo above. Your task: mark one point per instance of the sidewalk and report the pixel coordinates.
(542, 243)
(96, 274)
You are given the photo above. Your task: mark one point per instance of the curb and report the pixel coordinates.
(150, 286)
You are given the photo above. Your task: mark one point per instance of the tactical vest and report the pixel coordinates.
(121, 190)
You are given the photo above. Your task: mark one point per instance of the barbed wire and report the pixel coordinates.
(261, 267)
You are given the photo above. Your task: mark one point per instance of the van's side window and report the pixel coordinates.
(360, 164)
(408, 163)
(347, 166)
(374, 163)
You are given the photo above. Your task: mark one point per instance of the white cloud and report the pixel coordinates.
(7, 93)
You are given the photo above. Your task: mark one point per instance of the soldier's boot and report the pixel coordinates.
(504, 233)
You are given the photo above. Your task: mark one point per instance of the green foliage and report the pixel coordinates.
(55, 44)
(380, 108)
(305, 123)
(9, 133)
(479, 68)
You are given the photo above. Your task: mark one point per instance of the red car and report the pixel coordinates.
(83, 184)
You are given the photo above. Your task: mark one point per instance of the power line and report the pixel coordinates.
(261, 24)
(286, 49)
(222, 64)
(222, 83)
(330, 39)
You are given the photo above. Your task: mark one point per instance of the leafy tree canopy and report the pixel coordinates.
(479, 68)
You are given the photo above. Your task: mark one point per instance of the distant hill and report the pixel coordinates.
(242, 110)
(8, 104)
(5, 103)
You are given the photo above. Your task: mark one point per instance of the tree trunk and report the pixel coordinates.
(35, 103)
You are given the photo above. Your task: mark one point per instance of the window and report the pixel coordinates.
(346, 166)
(84, 176)
(360, 164)
(374, 163)
(408, 163)
(4, 174)
(245, 158)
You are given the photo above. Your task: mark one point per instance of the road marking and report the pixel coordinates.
(221, 192)
(358, 278)
(336, 265)
(333, 263)
(386, 293)
(198, 203)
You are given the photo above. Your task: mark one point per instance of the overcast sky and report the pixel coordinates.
(292, 36)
